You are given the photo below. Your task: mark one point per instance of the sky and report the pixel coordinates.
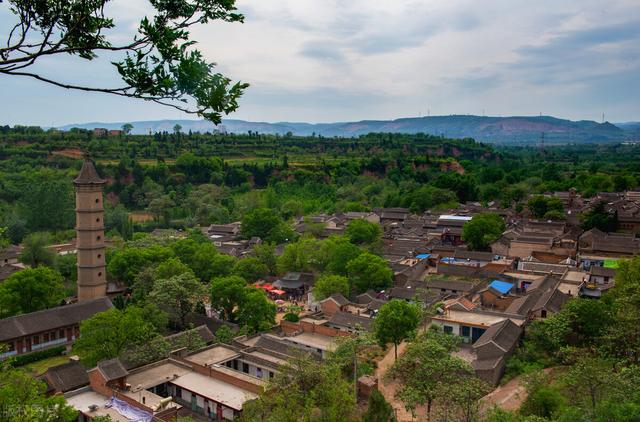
(336, 60)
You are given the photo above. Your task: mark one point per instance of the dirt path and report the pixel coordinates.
(389, 388)
(509, 396)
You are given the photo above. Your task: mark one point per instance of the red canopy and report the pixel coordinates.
(278, 292)
(267, 287)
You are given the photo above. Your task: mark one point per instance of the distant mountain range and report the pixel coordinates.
(515, 129)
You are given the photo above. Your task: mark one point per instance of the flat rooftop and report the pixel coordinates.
(267, 357)
(314, 321)
(569, 288)
(472, 318)
(82, 400)
(574, 276)
(213, 355)
(214, 389)
(152, 375)
(523, 276)
(315, 340)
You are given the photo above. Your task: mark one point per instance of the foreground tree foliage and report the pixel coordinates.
(378, 410)
(23, 399)
(429, 373)
(594, 345)
(304, 390)
(158, 64)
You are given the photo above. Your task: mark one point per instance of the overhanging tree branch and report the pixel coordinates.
(160, 63)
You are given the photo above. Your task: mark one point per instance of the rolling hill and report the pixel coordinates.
(515, 129)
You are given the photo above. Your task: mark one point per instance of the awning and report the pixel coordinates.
(278, 292)
(288, 284)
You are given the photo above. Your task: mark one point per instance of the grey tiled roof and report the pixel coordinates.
(112, 369)
(348, 320)
(66, 377)
(88, 175)
(51, 319)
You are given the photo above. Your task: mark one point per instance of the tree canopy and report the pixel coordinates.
(329, 284)
(106, 334)
(396, 321)
(30, 290)
(482, 230)
(368, 271)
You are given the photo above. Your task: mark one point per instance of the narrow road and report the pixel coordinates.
(509, 396)
(389, 388)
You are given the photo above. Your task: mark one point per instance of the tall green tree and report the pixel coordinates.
(179, 294)
(266, 224)
(36, 252)
(256, 311)
(378, 410)
(368, 271)
(227, 293)
(251, 269)
(396, 321)
(482, 231)
(107, 334)
(428, 372)
(30, 290)
(361, 231)
(598, 217)
(329, 284)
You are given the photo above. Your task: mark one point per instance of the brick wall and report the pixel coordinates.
(329, 307)
(98, 383)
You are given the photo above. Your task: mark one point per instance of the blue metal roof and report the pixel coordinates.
(501, 286)
(423, 256)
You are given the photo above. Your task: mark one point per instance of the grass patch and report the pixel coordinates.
(40, 367)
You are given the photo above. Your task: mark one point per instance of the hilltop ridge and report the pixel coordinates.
(512, 129)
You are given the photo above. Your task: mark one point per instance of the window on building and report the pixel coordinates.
(98, 237)
(99, 255)
(46, 338)
(12, 347)
(259, 372)
(97, 200)
(98, 220)
(447, 329)
(100, 274)
(271, 374)
(36, 339)
(61, 334)
(543, 313)
(245, 367)
(466, 331)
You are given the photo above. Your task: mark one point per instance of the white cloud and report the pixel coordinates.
(331, 60)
